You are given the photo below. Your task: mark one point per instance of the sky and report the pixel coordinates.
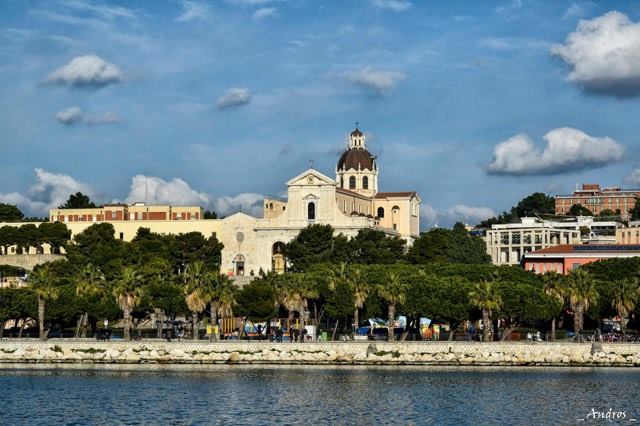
(472, 104)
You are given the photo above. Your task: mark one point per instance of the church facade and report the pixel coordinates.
(349, 203)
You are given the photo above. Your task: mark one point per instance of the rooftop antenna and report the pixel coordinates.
(146, 189)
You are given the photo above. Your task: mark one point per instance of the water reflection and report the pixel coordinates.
(290, 395)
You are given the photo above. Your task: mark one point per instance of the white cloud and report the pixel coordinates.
(75, 115)
(393, 5)
(155, 190)
(87, 71)
(249, 203)
(459, 213)
(379, 82)
(106, 11)
(577, 10)
(49, 191)
(109, 117)
(633, 178)
(193, 10)
(515, 4)
(248, 2)
(512, 43)
(234, 97)
(603, 55)
(567, 150)
(264, 12)
(70, 116)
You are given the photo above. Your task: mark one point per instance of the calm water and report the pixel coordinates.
(321, 395)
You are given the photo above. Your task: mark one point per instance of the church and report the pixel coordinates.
(349, 203)
(253, 245)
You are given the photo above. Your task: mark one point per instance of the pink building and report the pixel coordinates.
(563, 258)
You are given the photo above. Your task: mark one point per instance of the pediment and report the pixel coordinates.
(311, 177)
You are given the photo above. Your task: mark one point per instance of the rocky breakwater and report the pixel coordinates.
(349, 353)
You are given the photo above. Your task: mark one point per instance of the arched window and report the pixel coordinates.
(341, 181)
(352, 182)
(311, 211)
(365, 183)
(380, 212)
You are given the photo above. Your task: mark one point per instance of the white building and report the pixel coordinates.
(507, 243)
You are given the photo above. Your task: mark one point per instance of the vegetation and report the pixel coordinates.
(78, 201)
(536, 204)
(333, 282)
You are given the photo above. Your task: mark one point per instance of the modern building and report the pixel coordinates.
(253, 245)
(564, 258)
(507, 243)
(124, 212)
(597, 199)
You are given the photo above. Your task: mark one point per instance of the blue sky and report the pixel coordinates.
(473, 104)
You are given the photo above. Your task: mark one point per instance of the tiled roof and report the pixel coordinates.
(395, 194)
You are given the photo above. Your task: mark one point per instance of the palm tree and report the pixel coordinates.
(360, 289)
(41, 280)
(88, 281)
(581, 292)
(196, 281)
(394, 292)
(341, 275)
(128, 293)
(293, 291)
(485, 297)
(625, 297)
(220, 293)
(555, 288)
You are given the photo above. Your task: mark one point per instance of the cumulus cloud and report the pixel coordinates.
(193, 10)
(459, 213)
(49, 191)
(74, 115)
(250, 203)
(87, 71)
(393, 5)
(566, 150)
(603, 55)
(69, 116)
(264, 12)
(156, 190)
(234, 98)
(378, 82)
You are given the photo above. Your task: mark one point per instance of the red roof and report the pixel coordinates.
(395, 194)
(588, 248)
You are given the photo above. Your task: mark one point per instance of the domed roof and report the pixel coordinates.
(356, 159)
(356, 132)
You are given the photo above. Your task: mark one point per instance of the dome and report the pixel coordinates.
(356, 132)
(356, 159)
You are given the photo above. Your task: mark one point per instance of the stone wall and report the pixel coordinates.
(29, 261)
(361, 353)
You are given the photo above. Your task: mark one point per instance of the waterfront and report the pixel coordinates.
(322, 394)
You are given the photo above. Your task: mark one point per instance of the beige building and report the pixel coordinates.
(629, 234)
(254, 245)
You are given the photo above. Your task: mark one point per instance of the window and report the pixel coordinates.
(113, 215)
(352, 182)
(311, 211)
(341, 181)
(365, 183)
(121, 236)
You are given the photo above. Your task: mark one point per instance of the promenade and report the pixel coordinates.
(77, 351)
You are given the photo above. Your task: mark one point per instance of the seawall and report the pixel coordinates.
(317, 353)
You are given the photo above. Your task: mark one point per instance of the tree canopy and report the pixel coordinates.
(10, 213)
(78, 201)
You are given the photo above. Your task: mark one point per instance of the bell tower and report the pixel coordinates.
(357, 169)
